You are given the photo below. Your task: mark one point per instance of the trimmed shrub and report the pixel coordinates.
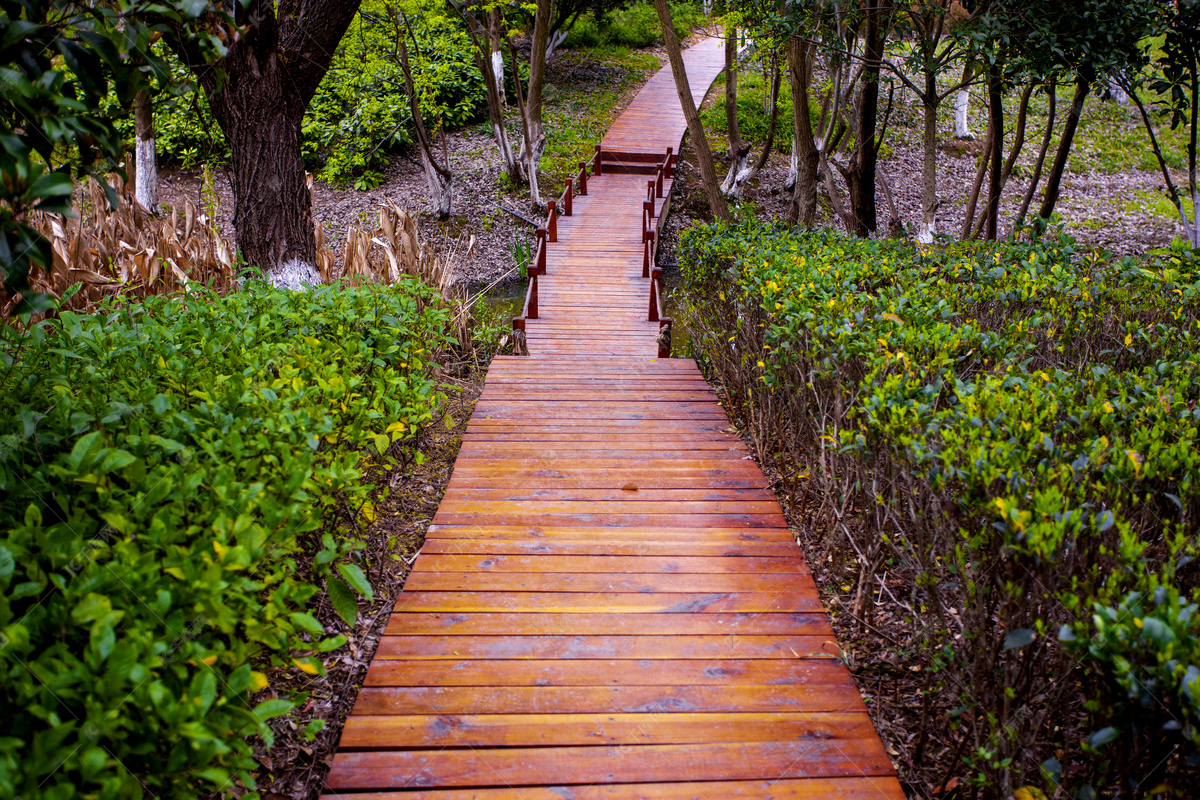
(183, 479)
(1015, 427)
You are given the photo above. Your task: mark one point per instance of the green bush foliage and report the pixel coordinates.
(184, 481)
(360, 114)
(1014, 425)
(636, 25)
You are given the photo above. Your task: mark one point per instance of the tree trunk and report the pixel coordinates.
(496, 45)
(962, 105)
(860, 177)
(491, 65)
(536, 136)
(528, 161)
(739, 151)
(973, 198)
(996, 115)
(804, 146)
(1015, 151)
(437, 177)
(1052, 102)
(146, 188)
(260, 113)
(1054, 179)
(258, 93)
(929, 198)
(716, 201)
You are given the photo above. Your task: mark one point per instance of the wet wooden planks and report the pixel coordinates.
(609, 603)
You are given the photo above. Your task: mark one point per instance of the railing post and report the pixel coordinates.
(567, 200)
(533, 310)
(655, 274)
(664, 337)
(598, 168)
(658, 182)
(552, 220)
(541, 255)
(650, 190)
(583, 179)
(648, 238)
(670, 163)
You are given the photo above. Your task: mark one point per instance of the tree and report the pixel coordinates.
(1177, 81)
(58, 60)
(484, 22)
(258, 91)
(860, 174)
(146, 172)
(716, 200)
(437, 175)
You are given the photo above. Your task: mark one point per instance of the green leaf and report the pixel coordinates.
(355, 577)
(307, 622)
(1102, 737)
(1019, 638)
(343, 599)
(269, 709)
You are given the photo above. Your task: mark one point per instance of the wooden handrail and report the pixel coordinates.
(583, 179)
(566, 199)
(552, 220)
(539, 267)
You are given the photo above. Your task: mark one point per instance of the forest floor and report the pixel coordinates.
(585, 91)
(1113, 196)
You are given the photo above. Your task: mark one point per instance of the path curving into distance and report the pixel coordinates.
(609, 603)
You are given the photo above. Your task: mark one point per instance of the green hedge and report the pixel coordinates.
(1014, 427)
(174, 484)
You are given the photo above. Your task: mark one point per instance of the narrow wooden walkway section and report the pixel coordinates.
(609, 603)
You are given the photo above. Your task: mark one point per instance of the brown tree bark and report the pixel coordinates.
(1052, 102)
(739, 150)
(716, 200)
(1013, 152)
(996, 115)
(804, 195)
(537, 80)
(1054, 179)
(860, 176)
(484, 38)
(258, 93)
(437, 176)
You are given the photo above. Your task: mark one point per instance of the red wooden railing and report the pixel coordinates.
(662, 168)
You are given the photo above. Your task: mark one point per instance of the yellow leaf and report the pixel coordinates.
(1108, 407)
(305, 666)
(1029, 793)
(175, 572)
(258, 681)
(395, 427)
(221, 550)
(893, 318)
(1128, 339)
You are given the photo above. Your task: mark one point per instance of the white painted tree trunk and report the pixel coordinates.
(498, 71)
(962, 109)
(146, 175)
(1117, 94)
(793, 168)
(740, 171)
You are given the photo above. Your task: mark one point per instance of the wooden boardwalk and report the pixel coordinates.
(609, 603)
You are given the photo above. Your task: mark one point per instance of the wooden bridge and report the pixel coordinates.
(609, 603)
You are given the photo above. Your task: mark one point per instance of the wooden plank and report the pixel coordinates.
(492, 563)
(666, 602)
(696, 583)
(608, 764)
(532, 730)
(737, 645)
(781, 673)
(505, 624)
(872, 788)
(602, 699)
